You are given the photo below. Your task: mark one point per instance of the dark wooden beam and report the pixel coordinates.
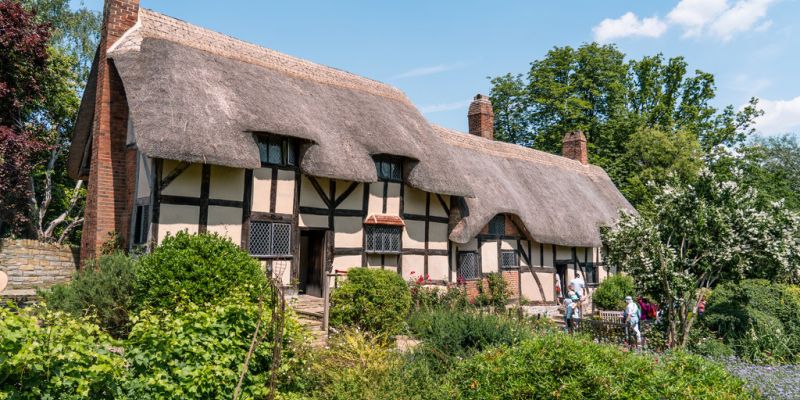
(247, 208)
(385, 195)
(315, 184)
(156, 213)
(163, 183)
(198, 201)
(347, 251)
(205, 187)
(425, 252)
(350, 189)
(273, 190)
(443, 204)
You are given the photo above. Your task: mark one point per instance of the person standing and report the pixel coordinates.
(631, 317)
(578, 284)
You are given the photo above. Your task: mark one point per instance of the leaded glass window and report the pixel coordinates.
(277, 151)
(508, 259)
(468, 267)
(383, 238)
(497, 225)
(389, 169)
(270, 239)
(590, 270)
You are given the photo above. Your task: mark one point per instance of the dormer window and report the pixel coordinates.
(497, 225)
(389, 169)
(277, 151)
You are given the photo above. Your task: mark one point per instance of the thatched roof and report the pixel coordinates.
(196, 95)
(558, 200)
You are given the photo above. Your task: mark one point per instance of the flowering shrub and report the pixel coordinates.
(494, 293)
(425, 296)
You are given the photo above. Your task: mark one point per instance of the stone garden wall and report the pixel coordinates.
(30, 264)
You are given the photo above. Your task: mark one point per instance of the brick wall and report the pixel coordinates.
(512, 284)
(111, 177)
(31, 264)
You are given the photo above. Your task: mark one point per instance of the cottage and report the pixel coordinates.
(313, 169)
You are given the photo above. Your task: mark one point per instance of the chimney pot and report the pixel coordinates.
(481, 117)
(574, 147)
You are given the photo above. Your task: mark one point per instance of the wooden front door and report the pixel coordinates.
(312, 260)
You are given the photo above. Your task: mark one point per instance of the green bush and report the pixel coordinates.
(52, 355)
(570, 367)
(196, 268)
(103, 289)
(196, 352)
(448, 336)
(373, 300)
(759, 320)
(610, 295)
(494, 293)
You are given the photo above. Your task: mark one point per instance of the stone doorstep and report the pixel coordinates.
(18, 293)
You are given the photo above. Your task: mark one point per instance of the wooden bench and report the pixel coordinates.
(610, 316)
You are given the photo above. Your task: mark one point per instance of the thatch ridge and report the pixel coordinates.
(558, 200)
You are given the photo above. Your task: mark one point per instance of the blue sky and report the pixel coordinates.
(441, 53)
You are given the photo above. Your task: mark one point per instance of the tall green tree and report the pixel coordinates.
(616, 101)
(48, 203)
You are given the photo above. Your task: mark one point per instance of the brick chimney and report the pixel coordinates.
(109, 197)
(481, 117)
(574, 147)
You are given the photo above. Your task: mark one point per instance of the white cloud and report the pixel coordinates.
(425, 71)
(717, 18)
(739, 18)
(434, 108)
(626, 26)
(693, 15)
(780, 116)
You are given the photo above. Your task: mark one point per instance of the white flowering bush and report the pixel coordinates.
(700, 235)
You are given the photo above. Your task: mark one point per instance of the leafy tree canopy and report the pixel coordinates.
(652, 105)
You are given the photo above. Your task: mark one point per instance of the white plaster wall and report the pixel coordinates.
(226, 221)
(436, 206)
(506, 244)
(354, 200)
(522, 262)
(313, 221)
(143, 179)
(489, 257)
(348, 232)
(393, 199)
(284, 201)
(530, 289)
(548, 256)
(472, 245)
(309, 196)
(226, 183)
(262, 183)
(373, 260)
(438, 267)
(564, 253)
(186, 184)
(413, 263)
(375, 205)
(414, 202)
(283, 270)
(437, 236)
(346, 262)
(414, 235)
(175, 218)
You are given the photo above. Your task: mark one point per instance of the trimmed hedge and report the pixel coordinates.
(198, 269)
(373, 300)
(610, 295)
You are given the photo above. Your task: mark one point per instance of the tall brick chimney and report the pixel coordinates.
(481, 117)
(574, 147)
(109, 197)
